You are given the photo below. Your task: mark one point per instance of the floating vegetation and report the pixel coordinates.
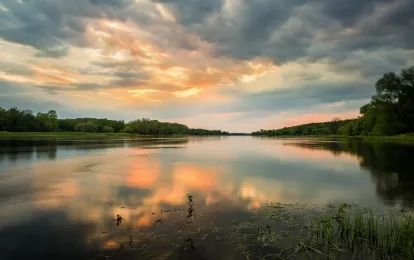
(190, 244)
(344, 232)
(118, 219)
(190, 210)
(279, 231)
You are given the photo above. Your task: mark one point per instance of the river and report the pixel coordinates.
(58, 199)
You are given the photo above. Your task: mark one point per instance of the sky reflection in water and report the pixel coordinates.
(84, 185)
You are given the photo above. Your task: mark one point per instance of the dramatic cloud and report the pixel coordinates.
(234, 65)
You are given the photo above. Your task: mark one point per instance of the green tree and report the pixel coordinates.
(48, 121)
(391, 110)
(347, 129)
(3, 121)
(107, 129)
(127, 129)
(334, 125)
(88, 127)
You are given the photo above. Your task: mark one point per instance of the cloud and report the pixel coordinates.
(298, 98)
(286, 31)
(50, 25)
(238, 60)
(190, 12)
(13, 95)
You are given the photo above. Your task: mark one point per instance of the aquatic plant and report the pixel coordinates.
(342, 232)
(363, 232)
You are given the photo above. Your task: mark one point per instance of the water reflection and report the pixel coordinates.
(15, 152)
(390, 164)
(78, 187)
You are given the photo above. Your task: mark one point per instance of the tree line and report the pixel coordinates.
(18, 120)
(390, 112)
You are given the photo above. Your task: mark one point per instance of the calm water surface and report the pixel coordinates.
(57, 198)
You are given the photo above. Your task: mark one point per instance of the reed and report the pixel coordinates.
(340, 232)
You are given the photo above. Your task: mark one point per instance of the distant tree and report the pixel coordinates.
(16, 120)
(334, 125)
(48, 121)
(107, 129)
(3, 119)
(86, 127)
(127, 129)
(66, 125)
(347, 129)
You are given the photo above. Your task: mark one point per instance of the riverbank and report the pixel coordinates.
(403, 137)
(78, 135)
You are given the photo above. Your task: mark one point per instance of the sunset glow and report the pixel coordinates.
(173, 61)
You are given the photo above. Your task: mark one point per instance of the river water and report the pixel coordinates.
(58, 199)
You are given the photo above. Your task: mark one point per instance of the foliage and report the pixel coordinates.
(283, 231)
(147, 126)
(88, 127)
(48, 121)
(107, 129)
(390, 112)
(16, 120)
(68, 125)
(325, 128)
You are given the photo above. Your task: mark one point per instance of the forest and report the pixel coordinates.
(18, 120)
(390, 112)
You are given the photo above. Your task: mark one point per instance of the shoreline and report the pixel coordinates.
(71, 135)
(404, 137)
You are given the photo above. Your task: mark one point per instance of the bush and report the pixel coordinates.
(128, 130)
(86, 127)
(107, 129)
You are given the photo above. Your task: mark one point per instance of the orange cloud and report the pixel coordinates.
(182, 73)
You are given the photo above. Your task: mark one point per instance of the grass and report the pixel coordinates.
(26, 135)
(344, 232)
(363, 232)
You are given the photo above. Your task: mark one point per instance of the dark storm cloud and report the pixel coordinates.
(312, 30)
(190, 11)
(370, 66)
(281, 30)
(348, 12)
(50, 26)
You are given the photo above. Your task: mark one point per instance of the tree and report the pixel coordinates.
(3, 118)
(334, 125)
(347, 129)
(86, 127)
(16, 120)
(48, 121)
(391, 110)
(107, 129)
(127, 129)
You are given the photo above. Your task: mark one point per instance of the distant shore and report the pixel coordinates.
(82, 135)
(402, 137)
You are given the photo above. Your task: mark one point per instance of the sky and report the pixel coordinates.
(235, 65)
